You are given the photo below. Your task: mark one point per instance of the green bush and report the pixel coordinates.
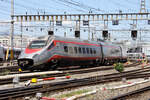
(119, 67)
(67, 74)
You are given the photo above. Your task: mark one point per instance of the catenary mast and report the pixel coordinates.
(12, 28)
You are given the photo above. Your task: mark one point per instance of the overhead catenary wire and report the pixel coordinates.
(62, 3)
(81, 4)
(75, 4)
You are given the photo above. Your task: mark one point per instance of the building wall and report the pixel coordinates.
(5, 40)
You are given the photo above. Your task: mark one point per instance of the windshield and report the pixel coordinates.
(37, 44)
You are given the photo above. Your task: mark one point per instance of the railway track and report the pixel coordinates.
(9, 66)
(14, 69)
(130, 94)
(52, 86)
(8, 69)
(71, 72)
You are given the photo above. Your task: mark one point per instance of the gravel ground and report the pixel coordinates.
(105, 94)
(143, 96)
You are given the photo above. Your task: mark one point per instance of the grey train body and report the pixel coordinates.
(50, 52)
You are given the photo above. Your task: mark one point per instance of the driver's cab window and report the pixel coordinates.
(51, 46)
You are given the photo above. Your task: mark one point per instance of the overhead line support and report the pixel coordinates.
(82, 17)
(12, 29)
(142, 9)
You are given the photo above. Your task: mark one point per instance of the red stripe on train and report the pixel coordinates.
(29, 51)
(77, 43)
(80, 58)
(72, 58)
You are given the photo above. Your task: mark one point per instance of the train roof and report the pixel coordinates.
(73, 40)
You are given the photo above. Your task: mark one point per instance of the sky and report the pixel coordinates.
(68, 7)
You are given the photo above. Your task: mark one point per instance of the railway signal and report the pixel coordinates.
(134, 34)
(50, 32)
(115, 22)
(58, 23)
(77, 34)
(105, 34)
(85, 23)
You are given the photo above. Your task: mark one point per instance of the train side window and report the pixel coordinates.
(51, 45)
(87, 50)
(80, 50)
(75, 49)
(91, 51)
(94, 51)
(70, 50)
(83, 49)
(65, 48)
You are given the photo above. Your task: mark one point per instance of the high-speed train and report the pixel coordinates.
(50, 52)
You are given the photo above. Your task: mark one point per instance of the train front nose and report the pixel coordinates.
(25, 63)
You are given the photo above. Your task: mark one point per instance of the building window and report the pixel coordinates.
(51, 46)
